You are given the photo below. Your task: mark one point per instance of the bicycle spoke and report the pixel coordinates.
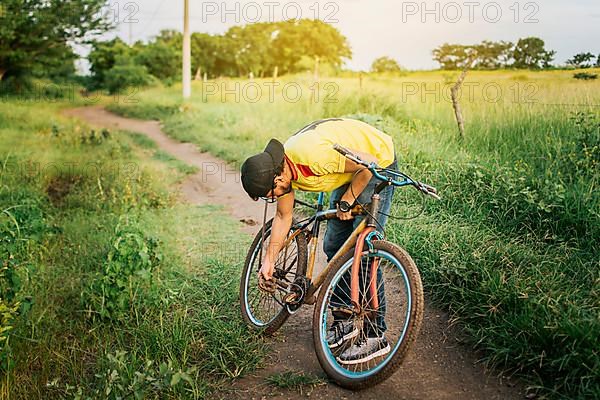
(262, 306)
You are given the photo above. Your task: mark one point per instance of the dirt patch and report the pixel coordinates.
(59, 187)
(216, 181)
(439, 366)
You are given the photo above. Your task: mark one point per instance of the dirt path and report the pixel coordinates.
(439, 366)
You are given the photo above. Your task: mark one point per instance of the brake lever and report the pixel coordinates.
(434, 195)
(429, 190)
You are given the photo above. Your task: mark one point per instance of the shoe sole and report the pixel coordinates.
(378, 353)
(350, 335)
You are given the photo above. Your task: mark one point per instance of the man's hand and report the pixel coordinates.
(344, 216)
(266, 269)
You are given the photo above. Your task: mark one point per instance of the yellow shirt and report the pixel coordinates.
(318, 167)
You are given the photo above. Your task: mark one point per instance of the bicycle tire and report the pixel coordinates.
(248, 281)
(414, 314)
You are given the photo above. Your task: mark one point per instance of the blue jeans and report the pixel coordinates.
(337, 233)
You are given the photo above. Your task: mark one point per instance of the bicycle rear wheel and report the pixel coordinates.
(263, 311)
(397, 319)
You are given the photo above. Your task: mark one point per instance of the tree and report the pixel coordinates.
(125, 74)
(255, 48)
(252, 47)
(493, 55)
(104, 56)
(35, 34)
(287, 47)
(582, 60)
(454, 56)
(487, 55)
(205, 51)
(385, 64)
(225, 62)
(171, 38)
(162, 60)
(322, 42)
(530, 53)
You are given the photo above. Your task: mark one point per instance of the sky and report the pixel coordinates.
(405, 30)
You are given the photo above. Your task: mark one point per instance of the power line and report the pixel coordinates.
(152, 18)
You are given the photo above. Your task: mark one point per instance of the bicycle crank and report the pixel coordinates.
(295, 297)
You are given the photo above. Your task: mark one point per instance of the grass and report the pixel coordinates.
(294, 380)
(74, 204)
(512, 249)
(142, 141)
(176, 163)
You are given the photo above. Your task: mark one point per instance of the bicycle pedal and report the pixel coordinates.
(343, 312)
(291, 298)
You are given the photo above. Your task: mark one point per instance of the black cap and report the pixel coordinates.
(259, 171)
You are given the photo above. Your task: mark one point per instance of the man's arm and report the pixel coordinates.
(359, 181)
(279, 230)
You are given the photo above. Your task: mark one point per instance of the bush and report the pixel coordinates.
(585, 76)
(29, 89)
(129, 268)
(124, 377)
(9, 308)
(385, 64)
(12, 305)
(122, 77)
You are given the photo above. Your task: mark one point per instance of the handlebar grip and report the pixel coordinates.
(429, 189)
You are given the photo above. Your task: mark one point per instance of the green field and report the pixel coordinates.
(120, 270)
(104, 296)
(512, 250)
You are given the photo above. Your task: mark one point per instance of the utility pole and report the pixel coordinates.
(187, 65)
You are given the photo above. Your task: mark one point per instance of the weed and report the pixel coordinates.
(120, 379)
(296, 380)
(129, 268)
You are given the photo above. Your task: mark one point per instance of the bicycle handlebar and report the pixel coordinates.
(349, 155)
(420, 186)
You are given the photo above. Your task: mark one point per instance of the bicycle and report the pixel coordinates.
(375, 268)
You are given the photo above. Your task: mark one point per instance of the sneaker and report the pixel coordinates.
(340, 332)
(364, 350)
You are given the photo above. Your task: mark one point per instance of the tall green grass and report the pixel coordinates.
(512, 249)
(89, 222)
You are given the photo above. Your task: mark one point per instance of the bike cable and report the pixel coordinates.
(380, 212)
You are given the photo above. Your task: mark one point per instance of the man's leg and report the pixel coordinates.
(335, 236)
(339, 231)
(373, 344)
(379, 327)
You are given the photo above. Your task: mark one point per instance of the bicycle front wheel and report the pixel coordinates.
(262, 311)
(378, 333)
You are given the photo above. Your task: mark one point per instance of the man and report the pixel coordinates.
(308, 162)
